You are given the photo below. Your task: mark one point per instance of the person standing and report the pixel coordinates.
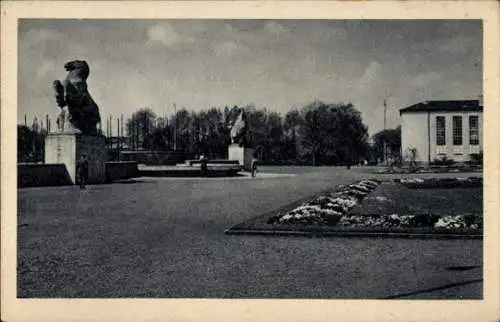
(82, 170)
(204, 166)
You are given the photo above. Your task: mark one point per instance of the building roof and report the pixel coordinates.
(444, 106)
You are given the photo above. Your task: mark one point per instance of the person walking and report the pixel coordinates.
(254, 167)
(82, 171)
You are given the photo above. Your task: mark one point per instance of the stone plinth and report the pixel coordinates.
(242, 154)
(66, 148)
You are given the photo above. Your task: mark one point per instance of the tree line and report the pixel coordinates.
(317, 134)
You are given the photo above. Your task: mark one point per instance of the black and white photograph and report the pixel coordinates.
(250, 159)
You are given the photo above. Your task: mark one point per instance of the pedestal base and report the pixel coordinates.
(242, 154)
(66, 148)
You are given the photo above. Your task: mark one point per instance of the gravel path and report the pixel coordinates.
(164, 238)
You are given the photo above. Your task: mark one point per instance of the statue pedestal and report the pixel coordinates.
(242, 154)
(66, 148)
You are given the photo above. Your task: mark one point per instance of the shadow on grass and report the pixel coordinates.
(462, 268)
(429, 290)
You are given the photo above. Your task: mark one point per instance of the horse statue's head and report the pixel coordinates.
(78, 68)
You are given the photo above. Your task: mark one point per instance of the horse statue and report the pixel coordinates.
(239, 128)
(77, 106)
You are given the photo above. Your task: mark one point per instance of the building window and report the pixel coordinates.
(440, 130)
(473, 130)
(457, 130)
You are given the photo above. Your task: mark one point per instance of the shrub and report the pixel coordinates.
(477, 158)
(443, 161)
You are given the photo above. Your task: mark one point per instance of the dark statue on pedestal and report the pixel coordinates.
(78, 110)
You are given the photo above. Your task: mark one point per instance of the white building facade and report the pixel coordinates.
(442, 130)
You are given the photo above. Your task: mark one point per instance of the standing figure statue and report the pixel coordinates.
(239, 129)
(72, 96)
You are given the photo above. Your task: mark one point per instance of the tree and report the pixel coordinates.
(291, 126)
(30, 144)
(140, 126)
(392, 139)
(332, 133)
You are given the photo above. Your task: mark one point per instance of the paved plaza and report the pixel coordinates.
(164, 237)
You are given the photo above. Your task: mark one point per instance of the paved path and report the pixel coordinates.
(164, 238)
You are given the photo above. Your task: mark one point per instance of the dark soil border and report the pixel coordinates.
(259, 226)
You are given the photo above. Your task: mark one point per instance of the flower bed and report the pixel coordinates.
(433, 183)
(471, 222)
(334, 209)
(329, 208)
(372, 208)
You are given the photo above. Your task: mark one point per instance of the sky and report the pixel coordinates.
(274, 64)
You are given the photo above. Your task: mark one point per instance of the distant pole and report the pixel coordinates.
(25, 120)
(121, 135)
(48, 130)
(136, 134)
(132, 134)
(175, 128)
(385, 128)
(118, 131)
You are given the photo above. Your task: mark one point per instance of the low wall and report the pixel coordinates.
(44, 175)
(155, 157)
(121, 170)
(40, 175)
(215, 161)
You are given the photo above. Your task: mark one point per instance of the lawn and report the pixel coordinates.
(394, 198)
(165, 238)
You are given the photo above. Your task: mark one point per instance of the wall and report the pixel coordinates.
(467, 149)
(61, 149)
(414, 134)
(66, 148)
(155, 157)
(39, 175)
(243, 155)
(121, 170)
(94, 148)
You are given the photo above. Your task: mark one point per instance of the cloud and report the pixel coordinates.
(42, 35)
(425, 80)
(164, 34)
(226, 49)
(457, 45)
(46, 68)
(275, 28)
(372, 75)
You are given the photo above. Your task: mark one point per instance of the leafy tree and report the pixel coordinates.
(291, 126)
(332, 133)
(392, 139)
(140, 126)
(160, 138)
(182, 122)
(30, 144)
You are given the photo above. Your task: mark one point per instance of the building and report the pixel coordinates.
(442, 130)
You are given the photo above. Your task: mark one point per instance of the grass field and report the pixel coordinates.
(164, 237)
